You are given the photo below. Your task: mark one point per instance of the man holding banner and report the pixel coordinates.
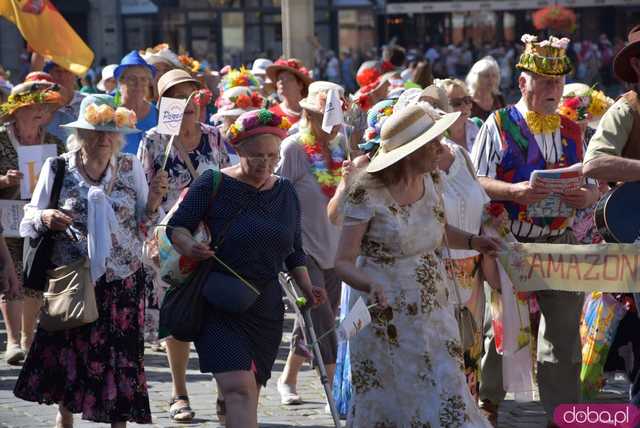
(514, 142)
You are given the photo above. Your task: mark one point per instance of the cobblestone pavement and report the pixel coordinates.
(16, 413)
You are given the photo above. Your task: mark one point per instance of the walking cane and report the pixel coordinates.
(303, 313)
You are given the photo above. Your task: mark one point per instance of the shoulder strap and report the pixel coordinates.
(185, 158)
(59, 168)
(469, 163)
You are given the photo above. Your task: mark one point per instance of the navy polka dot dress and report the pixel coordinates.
(258, 242)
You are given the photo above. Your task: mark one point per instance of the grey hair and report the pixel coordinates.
(78, 139)
(484, 64)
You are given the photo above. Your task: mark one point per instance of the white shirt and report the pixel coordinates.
(464, 198)
(486, 156)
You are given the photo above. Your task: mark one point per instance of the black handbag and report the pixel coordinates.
(37, 252)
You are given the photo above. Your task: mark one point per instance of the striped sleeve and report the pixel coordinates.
(486, 153)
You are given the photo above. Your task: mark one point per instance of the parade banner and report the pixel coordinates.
(170, 115)
(610, 268)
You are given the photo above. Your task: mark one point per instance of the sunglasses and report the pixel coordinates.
(457, 102)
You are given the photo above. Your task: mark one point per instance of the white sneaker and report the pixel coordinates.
(288, 394)
(14, 354)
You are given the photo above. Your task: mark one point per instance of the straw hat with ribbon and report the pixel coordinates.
(317, 98)
(621, 67)
(38, 88)
(174, 77)
(407, 131)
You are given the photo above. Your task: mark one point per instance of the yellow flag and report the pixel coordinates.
(48, 33)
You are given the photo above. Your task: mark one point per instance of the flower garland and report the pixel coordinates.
(591, 104)
(258, 118)
(327, 176)
(17, 101)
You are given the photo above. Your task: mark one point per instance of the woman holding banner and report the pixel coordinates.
(197, 148)
(25, 116)
(391, 253)
(254, 217)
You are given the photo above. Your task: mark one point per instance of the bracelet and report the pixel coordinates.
(470, 241)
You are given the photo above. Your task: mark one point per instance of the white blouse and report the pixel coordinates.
(464, 198)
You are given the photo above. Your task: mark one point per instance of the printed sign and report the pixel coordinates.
(610, 268)
(357, 319)
(30, 161)
(170, 115)
(11, 213)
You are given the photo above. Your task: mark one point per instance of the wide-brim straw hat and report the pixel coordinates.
(437, 97)
(318, 92)
(293, 66)
(174, 77)
(621, 66)
(38, 88)
(407, 131)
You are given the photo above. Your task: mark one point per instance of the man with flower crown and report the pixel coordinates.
(515, 141)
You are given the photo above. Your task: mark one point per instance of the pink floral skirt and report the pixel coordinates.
(96, 369)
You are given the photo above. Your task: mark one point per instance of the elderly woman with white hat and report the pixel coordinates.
(105, 210)
(312, 160)
(107, 83)
(390, 253)
(197, 148)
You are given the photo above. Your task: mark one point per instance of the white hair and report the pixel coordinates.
(485, 64)
(528, 78)
(77, 140)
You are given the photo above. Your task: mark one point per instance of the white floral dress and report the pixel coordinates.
(407, 367)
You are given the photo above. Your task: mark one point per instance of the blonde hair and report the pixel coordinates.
(449, 84)
(485, 64)
(78, 139)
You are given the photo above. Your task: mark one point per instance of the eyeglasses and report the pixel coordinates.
(457, 102)
(136, 80)
(260, 160)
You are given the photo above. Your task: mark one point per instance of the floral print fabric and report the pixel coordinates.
(96, 369)
(412, 349)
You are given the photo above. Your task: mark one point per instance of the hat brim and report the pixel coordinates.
(78, 124)
(9, 114)
(621, 67)
(273, 71)
(384, 160)
(304, 103)
(278, 132)
(177, 82)
(232, 112)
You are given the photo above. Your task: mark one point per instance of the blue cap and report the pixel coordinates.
(132, 59)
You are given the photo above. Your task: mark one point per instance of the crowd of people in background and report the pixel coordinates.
(394, 177)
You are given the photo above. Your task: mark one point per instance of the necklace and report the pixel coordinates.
(84, 169)
(289, 112)
(327, 176)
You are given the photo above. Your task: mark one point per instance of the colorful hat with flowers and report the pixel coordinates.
(582, 102)
(239, 77)
(98, 112)
(238, 100)
(368, 73)
(548, 57)
(293, 66)
(257, 122)
(190, 64)
(38, 88)
(375, 118)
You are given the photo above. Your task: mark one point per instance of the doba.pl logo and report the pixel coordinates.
(597, 416)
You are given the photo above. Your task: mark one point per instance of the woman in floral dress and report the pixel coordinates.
(391, 253)
(197, 148)
(96, 369)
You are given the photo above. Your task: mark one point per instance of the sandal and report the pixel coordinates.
(181, 414)
(221, 411)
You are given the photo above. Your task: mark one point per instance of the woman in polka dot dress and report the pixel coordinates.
(260, 215)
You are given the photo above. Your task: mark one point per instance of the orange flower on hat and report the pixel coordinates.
(125, 117)
(91, 114)
(105, 114)
(256, 100)
(243, 101)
